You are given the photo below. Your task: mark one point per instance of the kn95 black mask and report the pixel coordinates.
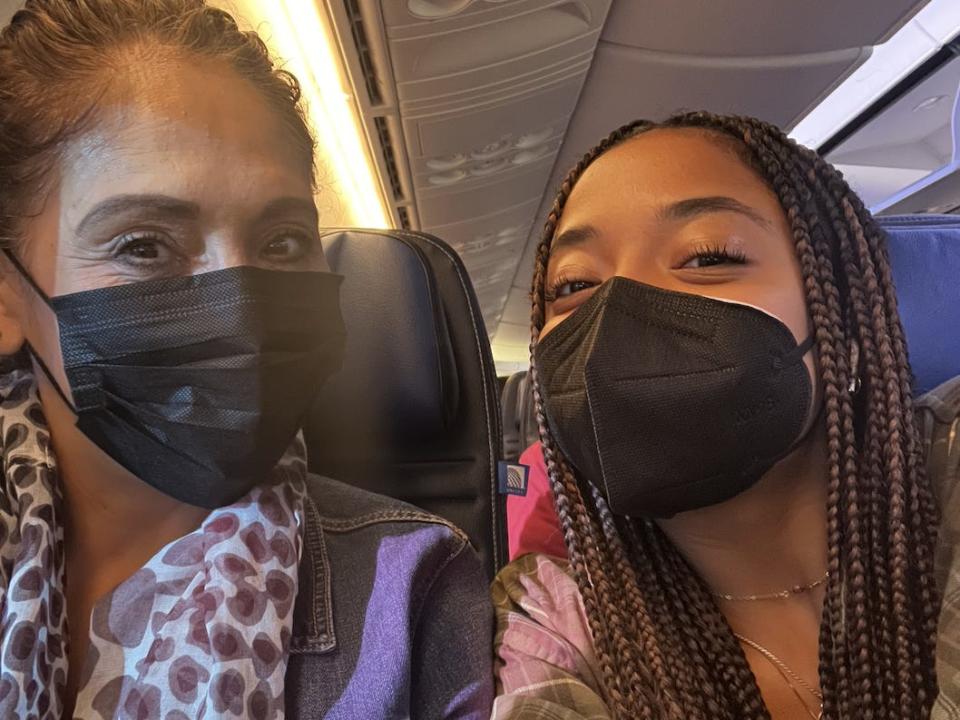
(669, 402)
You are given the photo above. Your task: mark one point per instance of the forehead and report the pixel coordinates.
(658, 168)
(180, 121)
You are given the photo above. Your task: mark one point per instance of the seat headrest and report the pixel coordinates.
(925, 259)
(511, 406)
(413, 412)
(410, 390)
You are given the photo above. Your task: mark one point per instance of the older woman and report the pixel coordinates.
(166, 319)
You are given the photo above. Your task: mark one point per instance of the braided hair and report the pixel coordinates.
(663, 646)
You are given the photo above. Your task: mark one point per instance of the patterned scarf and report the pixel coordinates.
(201, 631)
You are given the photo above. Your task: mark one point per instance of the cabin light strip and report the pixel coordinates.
(300, 34)
(928, 31)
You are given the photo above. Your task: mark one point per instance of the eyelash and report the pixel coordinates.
(551, 294)
(128, 243)
(307, 242)
(716, 252)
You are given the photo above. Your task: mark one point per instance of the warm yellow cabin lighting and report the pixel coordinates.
(299, 33)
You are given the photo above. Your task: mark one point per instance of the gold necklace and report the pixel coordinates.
(779, 594)
(787, 674)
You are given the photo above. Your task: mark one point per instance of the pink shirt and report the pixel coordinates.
(532, 523)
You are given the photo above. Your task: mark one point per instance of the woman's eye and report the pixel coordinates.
(712, 257)
(288, 247)
(571, 288)
(143, 249)
(566, 288)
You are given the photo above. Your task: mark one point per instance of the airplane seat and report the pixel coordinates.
(925, 259)
(413, 412)
(510, 409)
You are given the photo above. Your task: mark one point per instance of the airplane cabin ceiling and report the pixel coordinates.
(485, 104)
(774, 60)
(477, 108)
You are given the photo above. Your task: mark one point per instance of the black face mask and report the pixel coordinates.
(197, 385)
(670, 402)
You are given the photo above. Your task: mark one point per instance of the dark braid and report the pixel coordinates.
(664, 647)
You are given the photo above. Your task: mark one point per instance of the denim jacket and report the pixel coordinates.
(393, 617)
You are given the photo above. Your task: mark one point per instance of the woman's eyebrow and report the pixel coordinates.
(155, 205)
(285, 207)
(577, 235)
(694, 207)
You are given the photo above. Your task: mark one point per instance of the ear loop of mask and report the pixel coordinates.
(30, 349)
(792, 357)
(26, 276)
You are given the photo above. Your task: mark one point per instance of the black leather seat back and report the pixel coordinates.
(413, 413)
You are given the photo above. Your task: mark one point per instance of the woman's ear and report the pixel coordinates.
(11, 307)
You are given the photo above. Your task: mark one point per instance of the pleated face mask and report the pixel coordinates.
(670, 402)
(198, 384)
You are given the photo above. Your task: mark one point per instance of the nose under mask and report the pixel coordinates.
(198, 384)
(671, 402)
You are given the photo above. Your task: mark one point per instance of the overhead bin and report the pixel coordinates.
(752, 28)
(905, 159)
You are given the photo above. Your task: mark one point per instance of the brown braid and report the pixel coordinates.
(664, 648)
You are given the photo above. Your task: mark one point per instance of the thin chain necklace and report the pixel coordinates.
(787, 675)
(779, 594)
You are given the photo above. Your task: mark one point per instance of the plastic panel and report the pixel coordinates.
(761, 27)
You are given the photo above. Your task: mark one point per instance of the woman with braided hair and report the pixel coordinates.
(724, 401)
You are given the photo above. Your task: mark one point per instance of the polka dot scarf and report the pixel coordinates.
(201, 631)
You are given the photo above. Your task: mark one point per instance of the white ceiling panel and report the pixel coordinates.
(518, 303)
(755, 27)
(626, 83)
(472, 197)
(514, 334)
(480, 235)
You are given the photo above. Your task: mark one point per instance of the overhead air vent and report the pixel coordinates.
(360, 40)
(433, 9)
(485, 45)
(389, 157)
(474, 100)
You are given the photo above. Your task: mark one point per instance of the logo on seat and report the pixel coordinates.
(512, 478)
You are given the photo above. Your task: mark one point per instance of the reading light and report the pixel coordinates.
(928, 31)
(300, 35)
